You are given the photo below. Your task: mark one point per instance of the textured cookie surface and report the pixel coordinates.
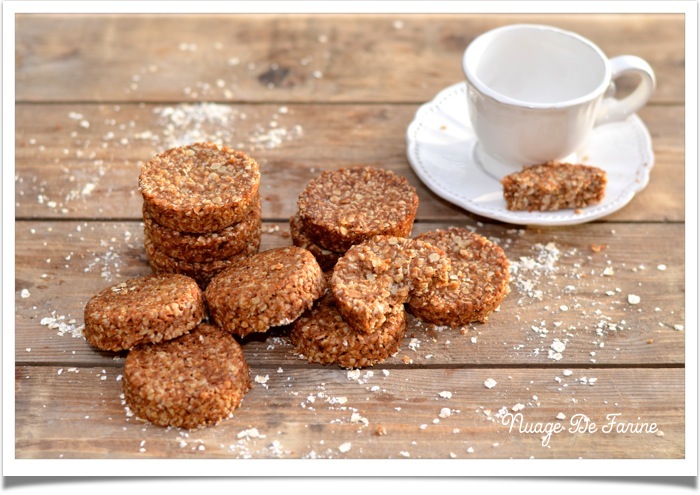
(554, 186)
(376, 276)
(201, 272)
(199, 188)
(207, 247)
(268, 289)
(193, 381)
(144, 309)
(347, 206)
(326, 258)
(322, 336)
(479, 280)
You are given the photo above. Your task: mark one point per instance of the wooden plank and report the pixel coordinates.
(560, 292)
(83, 161)
(309, 58)
(311, 413)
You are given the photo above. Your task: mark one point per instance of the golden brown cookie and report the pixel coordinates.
(201, 272)
(141, 310)
(193, 381)
(326, 258)
(482, 275)
(376, 276)
(199, 188)
(269, 289)
(554, 186)
(208, 247)
(343, 207)
(321, 335)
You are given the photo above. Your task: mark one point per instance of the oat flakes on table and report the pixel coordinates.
(145, 309)
(199, 188)
(271, 288)
(479, 277)
(193, 381)
(343, 207)
(208, 247)
(376, 276)
(201, 272)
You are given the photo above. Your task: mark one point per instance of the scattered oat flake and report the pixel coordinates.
(558, 346)
(561, 415)
(249, 433)
(445, 412)
(445, 394)
(345, 447)
(633, 299)
(490, 383)
(24, 294)
(262, 379)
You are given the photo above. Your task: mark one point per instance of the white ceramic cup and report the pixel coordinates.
(535, 93)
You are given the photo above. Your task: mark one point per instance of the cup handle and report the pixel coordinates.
(613, 109)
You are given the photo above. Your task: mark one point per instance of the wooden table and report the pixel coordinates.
(97, 95)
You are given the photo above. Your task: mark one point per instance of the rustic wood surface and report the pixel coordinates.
(98, 95)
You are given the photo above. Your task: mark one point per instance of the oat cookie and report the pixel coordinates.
(554, 186)
(376, 276)
(347, 206)
(208, 247)
(202, 273)
(193, 381)
(199, 188)
(326, 258)
(269, 289)
(322, 336)
(141, 310)
(481, 272)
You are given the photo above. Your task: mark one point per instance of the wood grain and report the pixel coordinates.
(65, 170)
(295, 58)
(568, 298)
(310, 413)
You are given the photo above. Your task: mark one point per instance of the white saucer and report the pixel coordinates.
(441, 146)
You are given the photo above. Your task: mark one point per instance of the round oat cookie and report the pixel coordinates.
(193, 381)
(376, 276)
(347, 206)
(322, 336)
(326, 258)
(209, 247)
(269, 289)
(201, 272)
(199, 188)
(145, 309)
(480, 277)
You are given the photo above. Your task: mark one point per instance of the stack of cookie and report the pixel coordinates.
(344, 207)
(202, 209)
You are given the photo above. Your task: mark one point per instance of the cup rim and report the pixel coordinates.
(477, 45)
